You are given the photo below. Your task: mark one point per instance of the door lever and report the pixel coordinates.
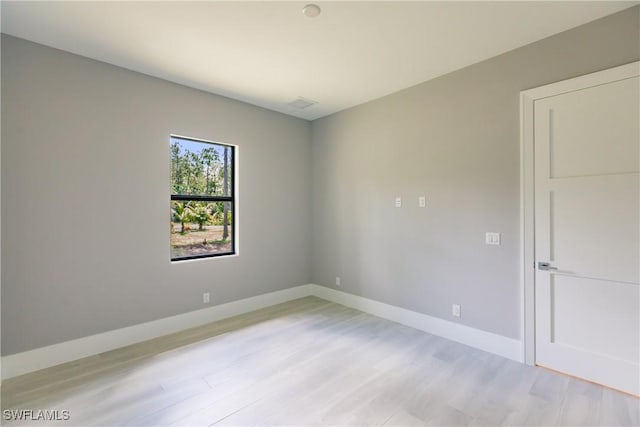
(545, 266)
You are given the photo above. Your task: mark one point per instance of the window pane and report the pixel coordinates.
(199, 228)
(201, 168)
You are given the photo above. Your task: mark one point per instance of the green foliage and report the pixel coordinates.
(200, 173)
(218, 215)
(201, 213)
(181, 213)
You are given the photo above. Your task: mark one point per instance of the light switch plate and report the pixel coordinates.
(492, 238)
(455, 310)
(398, 202)
(422, 201)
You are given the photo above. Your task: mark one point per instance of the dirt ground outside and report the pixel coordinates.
(195, 242)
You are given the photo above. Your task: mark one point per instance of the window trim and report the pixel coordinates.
(231, 198)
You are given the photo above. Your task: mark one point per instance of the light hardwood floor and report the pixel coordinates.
(311, 362)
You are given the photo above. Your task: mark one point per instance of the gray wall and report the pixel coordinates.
(455, 140)
(85, 196)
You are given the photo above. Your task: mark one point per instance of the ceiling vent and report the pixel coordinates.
(301, 103)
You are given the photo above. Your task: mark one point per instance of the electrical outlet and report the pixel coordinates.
(422, 201)
(492, 238)
(398, 202)
(338, 281)
(206, 298)
(455, 310)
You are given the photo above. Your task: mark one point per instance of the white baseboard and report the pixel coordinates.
(487, 341)
(56, 354)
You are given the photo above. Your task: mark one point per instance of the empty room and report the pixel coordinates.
(320, 214)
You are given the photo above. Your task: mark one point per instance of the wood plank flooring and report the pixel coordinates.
(310, 362)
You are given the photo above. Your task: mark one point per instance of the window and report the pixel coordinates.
(202, 199)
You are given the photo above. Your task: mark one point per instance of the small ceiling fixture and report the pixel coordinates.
(301, 103)
(311, 10)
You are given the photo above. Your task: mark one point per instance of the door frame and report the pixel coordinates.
(527, 187)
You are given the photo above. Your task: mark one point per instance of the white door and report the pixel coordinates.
(587, 233)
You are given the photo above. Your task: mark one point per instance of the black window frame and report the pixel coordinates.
(204, 198)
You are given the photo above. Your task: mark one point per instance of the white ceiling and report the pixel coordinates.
(269, 53)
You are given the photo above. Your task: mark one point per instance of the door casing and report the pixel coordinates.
(527, 187)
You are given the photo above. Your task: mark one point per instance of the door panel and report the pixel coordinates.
(587, 226)
(581, 317)
(594, 226)
(583, 125)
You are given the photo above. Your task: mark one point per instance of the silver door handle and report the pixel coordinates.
(545, 266)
